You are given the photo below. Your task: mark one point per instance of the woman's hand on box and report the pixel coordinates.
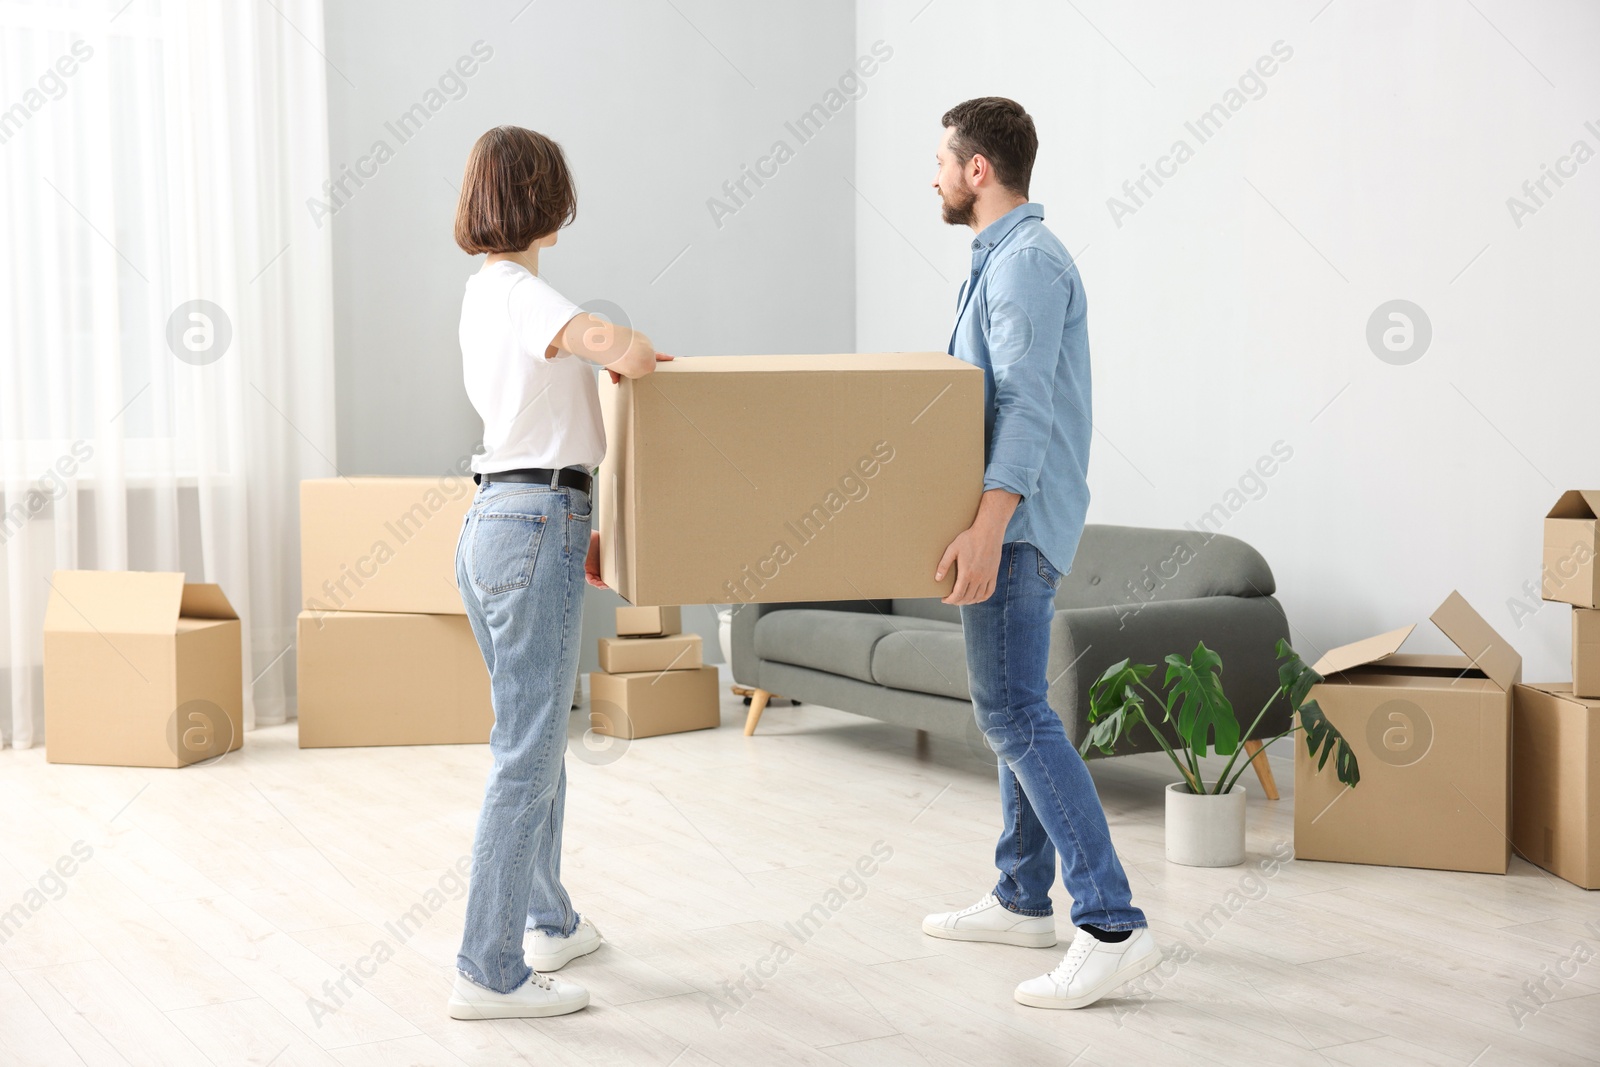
(661, 357)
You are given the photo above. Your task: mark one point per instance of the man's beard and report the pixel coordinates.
(958, 207)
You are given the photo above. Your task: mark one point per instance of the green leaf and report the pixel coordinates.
(1205, 716)
(1295, 677)
(1115, 705)
(1324, 737)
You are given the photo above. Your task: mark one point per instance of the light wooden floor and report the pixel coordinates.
(219, 901)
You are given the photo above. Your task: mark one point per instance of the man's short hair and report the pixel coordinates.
(516, 190)
(1000, 131)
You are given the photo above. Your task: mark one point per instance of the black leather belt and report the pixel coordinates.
(564, 478)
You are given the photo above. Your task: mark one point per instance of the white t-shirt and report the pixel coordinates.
(536, 412)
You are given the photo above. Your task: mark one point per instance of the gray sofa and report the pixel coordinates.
(1132, 593)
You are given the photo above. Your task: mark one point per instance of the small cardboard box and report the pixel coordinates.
(381, 678)
(1571, 537)
(830, 477)
(1586, 652)
(1555, 806)
(1432, 737)
(623, 655)
(649, 622)
(381, 544)
(141, 669)
(654, 702)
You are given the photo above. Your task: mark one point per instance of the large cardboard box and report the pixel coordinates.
(381, 678)
(1432, 737)
(1555, 806)
(1586, 652)
(381, 544)
(141, 669)
(624, 655)
(653, 702)
(649, 622)
(753, 479)
(1571, 537)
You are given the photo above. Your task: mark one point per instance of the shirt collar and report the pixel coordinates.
(996, 231)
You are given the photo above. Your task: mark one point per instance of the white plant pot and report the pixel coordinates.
(1204, 829)
(725, 636)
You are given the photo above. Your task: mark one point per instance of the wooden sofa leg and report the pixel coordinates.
(1258, 760)
(758, 704)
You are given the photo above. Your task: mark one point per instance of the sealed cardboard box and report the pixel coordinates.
(754, 479)
(141, 669)
(1586, 652)
(1432, 737)
(623, 655)
(649, 622)
(653, 702)
(1571, 537)
(381, 544)
(382, 678)
(1555, 806)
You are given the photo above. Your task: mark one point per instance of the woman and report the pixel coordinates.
(528, 355)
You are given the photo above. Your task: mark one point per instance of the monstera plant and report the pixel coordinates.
(1191, 699)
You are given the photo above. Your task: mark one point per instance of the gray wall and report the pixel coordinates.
(656, 105)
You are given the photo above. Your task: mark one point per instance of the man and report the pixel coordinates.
(1021, 317)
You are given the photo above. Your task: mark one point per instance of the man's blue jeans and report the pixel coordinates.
(519, 564)
(1047, 798)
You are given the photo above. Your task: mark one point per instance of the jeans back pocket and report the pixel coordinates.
(504, 549)
(1047, 571)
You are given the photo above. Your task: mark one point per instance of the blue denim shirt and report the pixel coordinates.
(1021, 317)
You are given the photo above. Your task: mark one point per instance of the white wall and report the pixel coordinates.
(656, 106)
(1229, 311)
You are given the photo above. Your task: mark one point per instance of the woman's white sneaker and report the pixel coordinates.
(547, 952)
(541, 996)
(1091, 969)
(991, 921)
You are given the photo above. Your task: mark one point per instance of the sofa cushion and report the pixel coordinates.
(931, 658)
(840, 642)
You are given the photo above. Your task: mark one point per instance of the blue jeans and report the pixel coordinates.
(519, 564)
(1047, 798)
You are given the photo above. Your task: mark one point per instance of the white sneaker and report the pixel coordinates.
(540, 996)
(1091, 969)
(990, 920)
(547, 952)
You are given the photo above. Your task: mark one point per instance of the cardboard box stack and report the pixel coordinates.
(1556, 730)
(141, 669)
(386, 656)
(651, 679)
(1432, 737)
(756, 479)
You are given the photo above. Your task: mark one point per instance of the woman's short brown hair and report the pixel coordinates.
(516, 190)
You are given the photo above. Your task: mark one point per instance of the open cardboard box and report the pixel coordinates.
(1432, 737)
(141, 669)
(1571, 539)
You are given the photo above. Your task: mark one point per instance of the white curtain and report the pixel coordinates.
(155, 153)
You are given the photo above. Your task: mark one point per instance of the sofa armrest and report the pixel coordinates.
(746, 665)
(1244, 631)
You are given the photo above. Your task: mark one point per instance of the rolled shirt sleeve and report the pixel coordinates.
(1024, 335)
